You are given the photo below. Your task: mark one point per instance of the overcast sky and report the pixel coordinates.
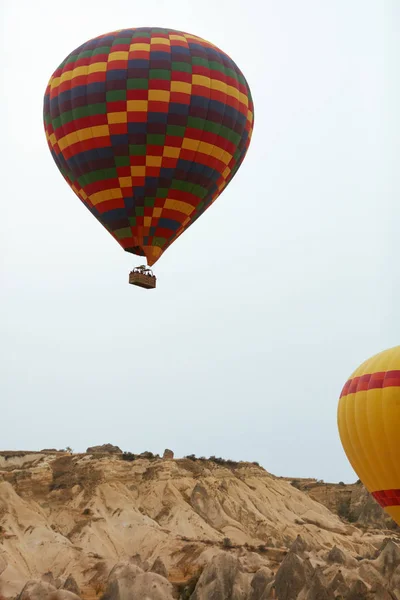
(267, 304)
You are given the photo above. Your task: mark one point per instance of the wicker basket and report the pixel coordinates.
(145, 281)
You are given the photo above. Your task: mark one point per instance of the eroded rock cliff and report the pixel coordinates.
(122, 527)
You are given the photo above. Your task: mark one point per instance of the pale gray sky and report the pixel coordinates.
(267, 304)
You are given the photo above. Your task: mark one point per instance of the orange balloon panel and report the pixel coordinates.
(369, 427)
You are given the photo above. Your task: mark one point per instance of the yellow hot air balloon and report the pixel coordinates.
(369, 427)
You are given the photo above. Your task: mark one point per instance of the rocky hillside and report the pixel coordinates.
(351, 502)
(116, 526)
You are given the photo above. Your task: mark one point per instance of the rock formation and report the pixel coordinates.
(98, 525)
(129, 582)
(108, 448)
(159, 567)
(71, 585)
(259, 584)
(40, 590)
(335, 555)
(351, 502)
(222, 578)
(292, 577)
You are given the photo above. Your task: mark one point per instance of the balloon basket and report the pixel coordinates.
(143, 277)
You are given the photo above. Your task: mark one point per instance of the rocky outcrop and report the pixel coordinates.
(203, 527)
(335, 555)
(367, 512)
(3, 562)
(358, 591)
(338, 586)
(71, 585)
(384, 570)
(49, 578)
(130, 582)
(351, 502)
(318, 591)
(299, 546)
(292, 577)
(259, 584)
(40, 590)
(159, 567)
(381, 593)
(168, 454)
(105, 448)
(388, 561)
(148, 455)
(221, 579)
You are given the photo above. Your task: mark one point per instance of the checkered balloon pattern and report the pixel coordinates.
(148, 126)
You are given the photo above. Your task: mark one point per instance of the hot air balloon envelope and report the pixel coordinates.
(369, 427)
(148, 126)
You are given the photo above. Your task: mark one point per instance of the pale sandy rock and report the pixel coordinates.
(395, 581)
(129, 582)
(385, 541)
(120, 581)
(389, 559)
(222, 579)
(316, 590)
(368, 512)
(64, 595)
(49, 578)
(125, 570)
(370, 575)
(252, 561)
(381, 593)
(314, 517)
(351, 501)
(259, 584)
(71, 585)
(299, 546)
(32, 546)
(382, 571)
(339, 586)
(207, 506)
(136, 559)
(292, 577)
(358, 591)
(19, 460)
(159, 567)
(335, 555)
(40, 590)
(3, 563)
(150, 586)
(82, 514)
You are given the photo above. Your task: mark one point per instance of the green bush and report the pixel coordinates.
(191, 457)
(128, 456)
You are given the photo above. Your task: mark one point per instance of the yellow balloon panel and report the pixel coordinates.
(394, 512)
(369, 426)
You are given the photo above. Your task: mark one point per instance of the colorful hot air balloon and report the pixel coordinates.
(148, 126)
(369, 427)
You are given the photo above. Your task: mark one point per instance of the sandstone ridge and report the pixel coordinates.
(113, 525)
